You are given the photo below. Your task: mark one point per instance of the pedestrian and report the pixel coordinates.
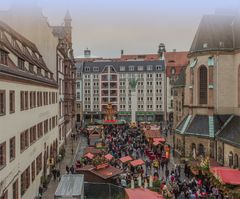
(72, 169)
(40, 191)
(58, 175)
(166, 173)
(67, 169)
(54, 172)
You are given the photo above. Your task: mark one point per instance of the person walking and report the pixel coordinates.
(72, 169)
(58, 175)
(67, 169)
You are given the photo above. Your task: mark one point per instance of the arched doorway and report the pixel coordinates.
(193, 150)
(230, 159)
(235, 161)
(220, 155)
(201, 150)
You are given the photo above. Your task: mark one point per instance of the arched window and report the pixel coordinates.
(230, 159)
(203, 85)
(201, 150)
(235, 161)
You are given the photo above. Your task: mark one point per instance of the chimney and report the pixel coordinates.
(174, 50)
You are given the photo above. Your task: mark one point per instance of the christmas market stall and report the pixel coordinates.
(141, 193)
(102, 173)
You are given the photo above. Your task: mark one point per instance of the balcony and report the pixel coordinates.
(104, 93)
(105, 85)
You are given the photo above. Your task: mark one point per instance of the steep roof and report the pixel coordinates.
(231, 132)
(117, 64)
(176, 60)
(181, 79)
(217, 33)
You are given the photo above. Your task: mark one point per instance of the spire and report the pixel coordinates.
(68, 16)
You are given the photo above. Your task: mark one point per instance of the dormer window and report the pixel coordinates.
(205, 45)
(31, 68)
(87, 69)
(122, 68)
(149, 67)
(95, 69)
(131, 68)
(3, 57)
(158, 67)
(140, 68)
(39, 71)
(21, 64)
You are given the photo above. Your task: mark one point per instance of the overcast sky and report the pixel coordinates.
(136, 26)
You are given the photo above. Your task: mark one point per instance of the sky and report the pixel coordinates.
(136, 26)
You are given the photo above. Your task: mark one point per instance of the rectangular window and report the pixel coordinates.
(12, 101)
(3, 57)
(39, 164)
(22, 100)
(26, 100)
(15, 190)
(40, 130)
(33, 135)
(33, 170)
(2, 155)
(31, 68)
(26, 139)
(21, 64)
(45, 126)
(22, 141)
(2, 102)
(12, 149)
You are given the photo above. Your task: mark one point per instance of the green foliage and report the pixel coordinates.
(133, 83)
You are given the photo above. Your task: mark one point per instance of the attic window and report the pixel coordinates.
(95, 69)
(221, 44)
(171, 61)
(87, 69)
(205, 45)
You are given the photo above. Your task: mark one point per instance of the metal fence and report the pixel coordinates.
(103, 191)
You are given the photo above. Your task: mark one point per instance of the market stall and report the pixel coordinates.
(140, 193)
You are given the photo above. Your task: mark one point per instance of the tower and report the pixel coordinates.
(161, 50)
(68, 26)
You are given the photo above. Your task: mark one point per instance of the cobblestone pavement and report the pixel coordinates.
(69, 159)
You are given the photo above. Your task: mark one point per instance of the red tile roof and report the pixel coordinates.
(140, 193)
(178, 60)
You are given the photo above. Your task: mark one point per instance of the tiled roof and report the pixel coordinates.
(231, 132)
(176, 60)
(117, 64)
(217, 33)
(200, 125)
(17, 50)
(180, 81)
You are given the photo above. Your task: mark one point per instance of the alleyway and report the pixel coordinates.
(78, 146)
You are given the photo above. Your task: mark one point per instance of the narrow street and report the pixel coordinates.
(78, 146)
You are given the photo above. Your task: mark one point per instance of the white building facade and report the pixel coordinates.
(108, 82)
(28, 116)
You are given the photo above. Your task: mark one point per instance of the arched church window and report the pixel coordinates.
(203, 85)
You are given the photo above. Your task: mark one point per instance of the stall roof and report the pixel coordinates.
(108, 156)
(89, 155)
(152, 133)
(92, 150)
(137, 162)
(71, 185)
(125, 159)
(227, 175)
(140, 193)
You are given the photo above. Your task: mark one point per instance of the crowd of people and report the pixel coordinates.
(175, 181)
